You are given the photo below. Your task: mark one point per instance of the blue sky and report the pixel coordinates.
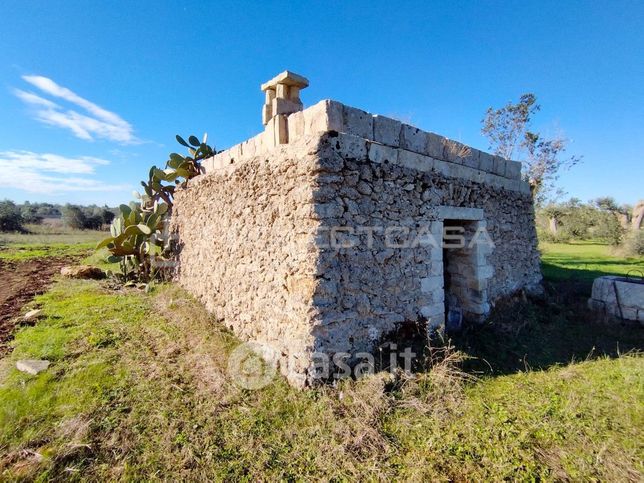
(92, 93)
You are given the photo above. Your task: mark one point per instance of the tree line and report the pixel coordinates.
(16, 217)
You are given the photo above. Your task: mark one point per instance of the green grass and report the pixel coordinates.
(585, 261)
(46, 241)
(138, 389)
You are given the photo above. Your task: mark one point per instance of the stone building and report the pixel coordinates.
(324, 232)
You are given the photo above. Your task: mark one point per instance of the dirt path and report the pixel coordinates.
(19, 283)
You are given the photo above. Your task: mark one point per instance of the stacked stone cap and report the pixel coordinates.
(282, 95)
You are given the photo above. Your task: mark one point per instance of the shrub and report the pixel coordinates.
(137, 240)
(30, 214)
(547, 236)
(74, 217)
(633, 245)
(10, 217)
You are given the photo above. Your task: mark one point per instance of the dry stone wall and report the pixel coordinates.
(366, 201)
(246, 249)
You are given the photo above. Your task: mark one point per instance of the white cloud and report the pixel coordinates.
(36, 173)
(97, 123)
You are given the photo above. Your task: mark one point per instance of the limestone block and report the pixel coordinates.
(278, 128)
(513, 169)
(456, 152)
(285, 106)
(435, 146)
(236, 152)
(208, 164)
(499, 166)
(335, 115)
(295, 126)
(524, 187)
(322, 117)
(486, 162)
(282, 91)
(471, 159)
(379, 153)
(416, 161)
(413, 139)
(270, 95)
(249, 148)
(443, 167)
(630, 294)
(286, 78)
(386, 131)
(514, 184)
(459, 213)
(357, 122)
(352, 147)
(267, 113)
(294, 93)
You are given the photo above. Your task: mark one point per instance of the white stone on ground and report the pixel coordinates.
(32, 366)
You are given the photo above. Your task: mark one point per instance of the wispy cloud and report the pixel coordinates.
(97, 122)
(37, 173)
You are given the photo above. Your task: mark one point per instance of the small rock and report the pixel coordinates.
(32, 366)
(82, 272)
(32, 315)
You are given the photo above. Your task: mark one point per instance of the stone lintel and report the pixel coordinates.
(287, 78)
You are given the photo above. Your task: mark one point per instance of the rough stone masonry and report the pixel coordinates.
(328, 230)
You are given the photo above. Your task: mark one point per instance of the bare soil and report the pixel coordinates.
(19, 283)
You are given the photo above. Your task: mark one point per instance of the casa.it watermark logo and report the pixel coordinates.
(253, 365)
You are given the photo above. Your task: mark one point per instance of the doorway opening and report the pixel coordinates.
(465, 271)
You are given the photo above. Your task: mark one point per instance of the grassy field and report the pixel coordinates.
(585, 261)
(48, 241)
(139, 389)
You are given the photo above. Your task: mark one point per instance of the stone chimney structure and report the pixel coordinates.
(282, 98)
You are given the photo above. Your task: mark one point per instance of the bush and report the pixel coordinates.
(547, 236)
(74, 217)
(90, 218)
(30, 214)
(633, 245)
(10, 217)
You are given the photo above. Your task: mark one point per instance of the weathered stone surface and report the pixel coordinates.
(332, 240)
(513, 169)
(618, 296)
(413, 139)
(415, 161)
(32, 366)
(499, 166)
(486, 162)
(83, 272)
(386, 131)
(357, 122)
(382, 154)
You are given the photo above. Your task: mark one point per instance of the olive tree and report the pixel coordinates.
(509, 132)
